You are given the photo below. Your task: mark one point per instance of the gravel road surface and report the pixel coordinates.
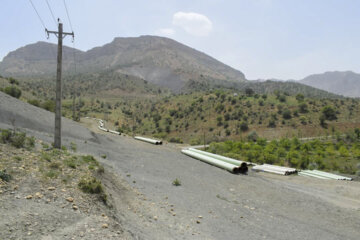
(210, 203)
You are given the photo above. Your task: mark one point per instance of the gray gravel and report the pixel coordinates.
(227, 206)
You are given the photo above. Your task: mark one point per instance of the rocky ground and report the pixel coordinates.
(42, 199)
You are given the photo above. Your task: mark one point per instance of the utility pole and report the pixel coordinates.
(60, 35)
(73, 115)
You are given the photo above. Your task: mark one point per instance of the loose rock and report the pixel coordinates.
(105, 225)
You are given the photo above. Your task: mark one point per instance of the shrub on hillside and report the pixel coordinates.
(34, 102)
(329, 113)
(13, 91)
(286, 114)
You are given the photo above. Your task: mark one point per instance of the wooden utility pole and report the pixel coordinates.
(60, 35)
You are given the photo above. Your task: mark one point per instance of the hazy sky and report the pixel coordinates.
(286, 39)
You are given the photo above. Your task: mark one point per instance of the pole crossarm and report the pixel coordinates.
(56, 33)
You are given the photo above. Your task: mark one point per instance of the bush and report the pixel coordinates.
(272, 123)
(176, 182)
(93, 186)
(30, 142)
(70, 163)
(18, 140)
(34, 102)
(252, 136)
(13, 81)
(13, 91)
(286, 114)
(329, 113)
(244, 126)
(89, 159)
(49, 105)
(5, 135)
(282, 98)
(303, 108)
(249, 92)
(73, 146)
(300, 97)
(175, 140)
(5, 176)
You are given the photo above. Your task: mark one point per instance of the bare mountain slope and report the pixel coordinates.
(342, 83)
(158, 60)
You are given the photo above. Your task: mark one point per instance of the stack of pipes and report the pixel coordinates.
(229, 164)
(102, 127)
(274, 169)
(322, 175)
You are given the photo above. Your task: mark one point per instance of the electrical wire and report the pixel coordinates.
(67, 13)
(42, 22)
(52, 13)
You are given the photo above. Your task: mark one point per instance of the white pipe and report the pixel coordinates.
(262, 169)
(308, 174)
(222, 158)
(280, 167)
(149, 140)
(115, 132)
(103, 129)
(274, 169)
(218, 163)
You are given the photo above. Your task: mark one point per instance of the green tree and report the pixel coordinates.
(300, 97)
(286, 114)
(303, 108)
(329, 113)
(244, 126)
(249, 92)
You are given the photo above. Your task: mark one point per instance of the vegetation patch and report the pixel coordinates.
(5, 176)
(176, 182)
(340, 153)
(92, 186)
(16, 139)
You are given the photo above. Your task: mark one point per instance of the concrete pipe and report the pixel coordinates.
(115, 132)
(243, 165)
(149, 140)
(103, 129)
(213, 161)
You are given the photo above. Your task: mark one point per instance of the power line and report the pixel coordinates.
(42, 22)
(52, 14)
(67, 13)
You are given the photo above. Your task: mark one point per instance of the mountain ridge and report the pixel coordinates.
(346, 83)
(158, 60)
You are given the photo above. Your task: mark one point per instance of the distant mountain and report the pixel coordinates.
(158, 60)
(36, 59)
(342, 83)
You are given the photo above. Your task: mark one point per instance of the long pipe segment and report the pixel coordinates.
(243, 165)
(274, 169)
(149, 140)
(216, 162)
(115, 132)
(103, 129)
(323, 175)
(280, 168)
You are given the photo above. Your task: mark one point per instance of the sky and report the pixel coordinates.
(283, 39)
